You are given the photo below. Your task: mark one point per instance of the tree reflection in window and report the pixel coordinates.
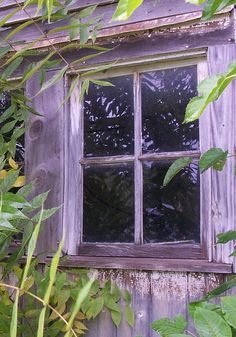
(165, 95)
(169, 214)
(109, 118)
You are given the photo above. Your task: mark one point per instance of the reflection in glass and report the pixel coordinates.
(5, 103)
(165, 95)
(108, 203)
(109, 118)
(171, 213)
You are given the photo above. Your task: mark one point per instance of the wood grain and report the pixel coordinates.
(178, 251)
(147, 264)
(73, 187)
(223, 131)
(148, 10)
(44, 155)
(148, 17)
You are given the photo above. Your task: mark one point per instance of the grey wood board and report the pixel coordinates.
(185, 37)
(44, 156)
(154, 295)
(150, 9)
(177, 251)
(147, 264)
(144, 45)
(223, 124)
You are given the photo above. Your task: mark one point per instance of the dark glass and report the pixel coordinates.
(109, 118)
(171, 213)
(108, 203)
(165, 95)
(5, 103)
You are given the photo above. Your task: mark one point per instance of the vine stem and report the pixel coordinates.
(40, 300)
(43, 34)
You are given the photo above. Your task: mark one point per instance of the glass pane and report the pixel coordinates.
(171, 213)
(108, 203)
(109, 118)
(5, 102)
(165, 95)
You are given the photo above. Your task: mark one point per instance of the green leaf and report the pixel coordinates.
(166, 327)
(116, 317)
(11, 68)
(87, 11)
(195, 2)
(214, 6)
(179, 335)
(82, 295)
(221, 289)
(83, 34)
(47, 213)
(57, 77)
(110, 303)
(52, 272)
(125, 9)
(229, 308)
(226, 237)
(49, 5)
(115, 293)
(8, 127)
(9, 15)
(14, 318)
(209, 90)
(84, 89)
(5, 225)
(175, 168)
(4, 51)
(127, 297)
(95, 307)
(215, 158)
(14, 200)
(102, 83)
(38, 201)
(207, 93)
(8, 113)
(201, 304)
(210, 324)
(129, 315)
(40, 332)
(7, 183)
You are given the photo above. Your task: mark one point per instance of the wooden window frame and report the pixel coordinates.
(74, 126)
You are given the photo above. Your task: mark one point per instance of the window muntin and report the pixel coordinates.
(186, 144)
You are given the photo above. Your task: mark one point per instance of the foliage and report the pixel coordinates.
(66, 303)
(125, 9)
(210, 319)
(54, 301)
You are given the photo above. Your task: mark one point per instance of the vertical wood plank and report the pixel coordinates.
(73, 202)
(222, 119)
(45, 155)
(205, 178)
(168, 295)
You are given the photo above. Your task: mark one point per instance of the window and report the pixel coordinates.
(131, 133)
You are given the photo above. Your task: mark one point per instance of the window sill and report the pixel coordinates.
(176, 265)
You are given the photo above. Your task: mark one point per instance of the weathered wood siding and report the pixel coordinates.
(149, 16)
(155, 295)
(44, 159)
(175, 27)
